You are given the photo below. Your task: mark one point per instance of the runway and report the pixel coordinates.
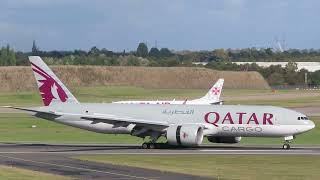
(57, 158)
(83, 149)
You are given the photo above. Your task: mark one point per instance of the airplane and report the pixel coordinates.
(181, 125)
(212, 97)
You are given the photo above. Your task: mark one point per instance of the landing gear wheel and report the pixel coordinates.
(145, 146)
(286, 146)
(152, 146)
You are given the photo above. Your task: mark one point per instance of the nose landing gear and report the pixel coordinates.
(287, 141)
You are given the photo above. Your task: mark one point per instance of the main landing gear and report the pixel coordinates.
(154, 136)
(150, 145)
(287, 141)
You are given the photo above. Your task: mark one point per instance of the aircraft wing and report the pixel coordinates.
(97, 117)
(114, 119)
(22, 109)
(35, 111)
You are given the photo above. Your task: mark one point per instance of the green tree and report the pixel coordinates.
(11, 57)
(220, 54)
(290, 73)
(3, 57)
(165, 52)
(7, 57)
(142, 50)
(154, 52)
(94, 51)
(276, 79)
(315, 78)
(269, 52)
(291, 67)
(133, 61)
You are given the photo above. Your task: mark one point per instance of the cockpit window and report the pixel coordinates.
(303, 118)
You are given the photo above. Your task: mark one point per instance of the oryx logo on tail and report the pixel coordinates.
(49, 88)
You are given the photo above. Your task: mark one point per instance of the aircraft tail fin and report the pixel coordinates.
(50, 87)
(213, 95)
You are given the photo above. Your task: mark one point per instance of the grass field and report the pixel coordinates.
(17, 127)
(286, 98)
(246, 167)
(13, 173)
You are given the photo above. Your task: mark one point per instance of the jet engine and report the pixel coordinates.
(221, 139)
(185, 135)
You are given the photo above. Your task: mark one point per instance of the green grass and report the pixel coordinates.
(116, 93)
(103, 94)
(13, 173)
(17, 127)
(290, 103)
(264, 167)
(21, 98)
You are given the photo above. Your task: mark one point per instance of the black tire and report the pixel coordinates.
(145, 146)
(152, 146)
(286, 146)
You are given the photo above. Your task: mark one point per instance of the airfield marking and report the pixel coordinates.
(250, 150)
(72, 167)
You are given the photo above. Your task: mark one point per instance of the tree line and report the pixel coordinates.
(219, 59)
(274, 74)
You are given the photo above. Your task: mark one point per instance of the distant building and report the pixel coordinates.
(310, 66)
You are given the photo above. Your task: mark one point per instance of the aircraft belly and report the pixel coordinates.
(99, 127)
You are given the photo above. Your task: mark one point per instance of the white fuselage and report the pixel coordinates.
(224, 120)
(212, 97)
(176, 102)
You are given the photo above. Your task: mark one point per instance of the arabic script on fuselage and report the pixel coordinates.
(177, 111)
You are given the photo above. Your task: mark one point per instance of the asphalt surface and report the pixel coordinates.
(57, 159)
(86, 149)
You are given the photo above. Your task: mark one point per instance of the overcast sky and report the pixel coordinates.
(176, 24)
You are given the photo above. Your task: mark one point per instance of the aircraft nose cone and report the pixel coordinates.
(309, 125)
(312, 125)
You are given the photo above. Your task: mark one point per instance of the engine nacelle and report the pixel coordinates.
(224, 139)
(185, 135)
